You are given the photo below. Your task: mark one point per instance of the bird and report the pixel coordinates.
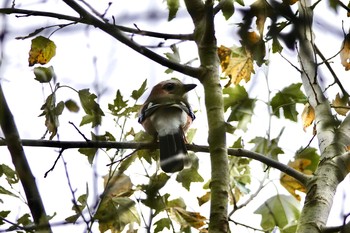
(167, 115)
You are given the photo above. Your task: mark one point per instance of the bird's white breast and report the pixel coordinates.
(169, 120)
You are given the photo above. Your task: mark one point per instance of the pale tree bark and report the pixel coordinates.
(204, 34)
(332, 139)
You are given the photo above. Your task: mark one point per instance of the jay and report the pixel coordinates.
(166, 114)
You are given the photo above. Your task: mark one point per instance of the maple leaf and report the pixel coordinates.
(224, 54)
(237, 65)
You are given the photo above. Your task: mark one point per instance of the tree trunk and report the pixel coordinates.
(203, 18)
(332, 140)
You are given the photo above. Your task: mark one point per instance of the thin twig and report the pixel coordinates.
(54, 164)
(336, 79)
(74, 200)
(85, 138)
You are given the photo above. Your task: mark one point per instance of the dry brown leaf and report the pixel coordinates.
(345, 52)
(193, 219)
(341, 104)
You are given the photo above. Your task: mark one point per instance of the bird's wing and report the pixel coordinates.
(151, 107)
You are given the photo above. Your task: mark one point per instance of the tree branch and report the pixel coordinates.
(117, 34)
(165, 36)
(115, 31)
(336, 79)
(20, 162)
(332, 143)
(302, 178)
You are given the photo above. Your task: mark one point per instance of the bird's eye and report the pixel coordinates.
(169, 86)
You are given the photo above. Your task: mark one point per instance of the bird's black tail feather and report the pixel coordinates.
(172, 152)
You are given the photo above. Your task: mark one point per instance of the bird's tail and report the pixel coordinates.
(172, 152)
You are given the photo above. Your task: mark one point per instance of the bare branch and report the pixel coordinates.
(20, 162)
(116, 32)
(336, 79)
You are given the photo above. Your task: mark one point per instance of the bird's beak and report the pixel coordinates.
(189, 87)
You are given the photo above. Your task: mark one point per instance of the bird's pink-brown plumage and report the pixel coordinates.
(166, 114)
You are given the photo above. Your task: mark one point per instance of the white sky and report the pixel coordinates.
(118, 67)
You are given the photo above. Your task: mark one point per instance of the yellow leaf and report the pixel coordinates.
(308, 115)
(291, 184)
(341, 104)
(345, 52)
(188, 218)
(118, 186)
(224, 54)
(237, 63)
(41, 51)
(240, 67)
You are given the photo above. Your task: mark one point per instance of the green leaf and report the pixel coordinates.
(3, 215)
(115, 213)
(89, 152)
(287, 100)
(153, 200)
(279, 210)
(44, 74)
(175, 55)
(6, 192)
(71, 105)
(161, 224)
(238, 143)
(309, 153)
(276, 46)
(173, 7)
(136, 94)
(227, 8)
(178, 202)
(156, 182)
(127, 212)
(158, 203)
(11, 175)
(240, 2)
(91, 108)
(242, 107)
(118, 105)
(25, 220)
(41, 51)
(51, 113)
(59, 108)
(266, 147)
(78, 208)
(189, 175)
(125, 164)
